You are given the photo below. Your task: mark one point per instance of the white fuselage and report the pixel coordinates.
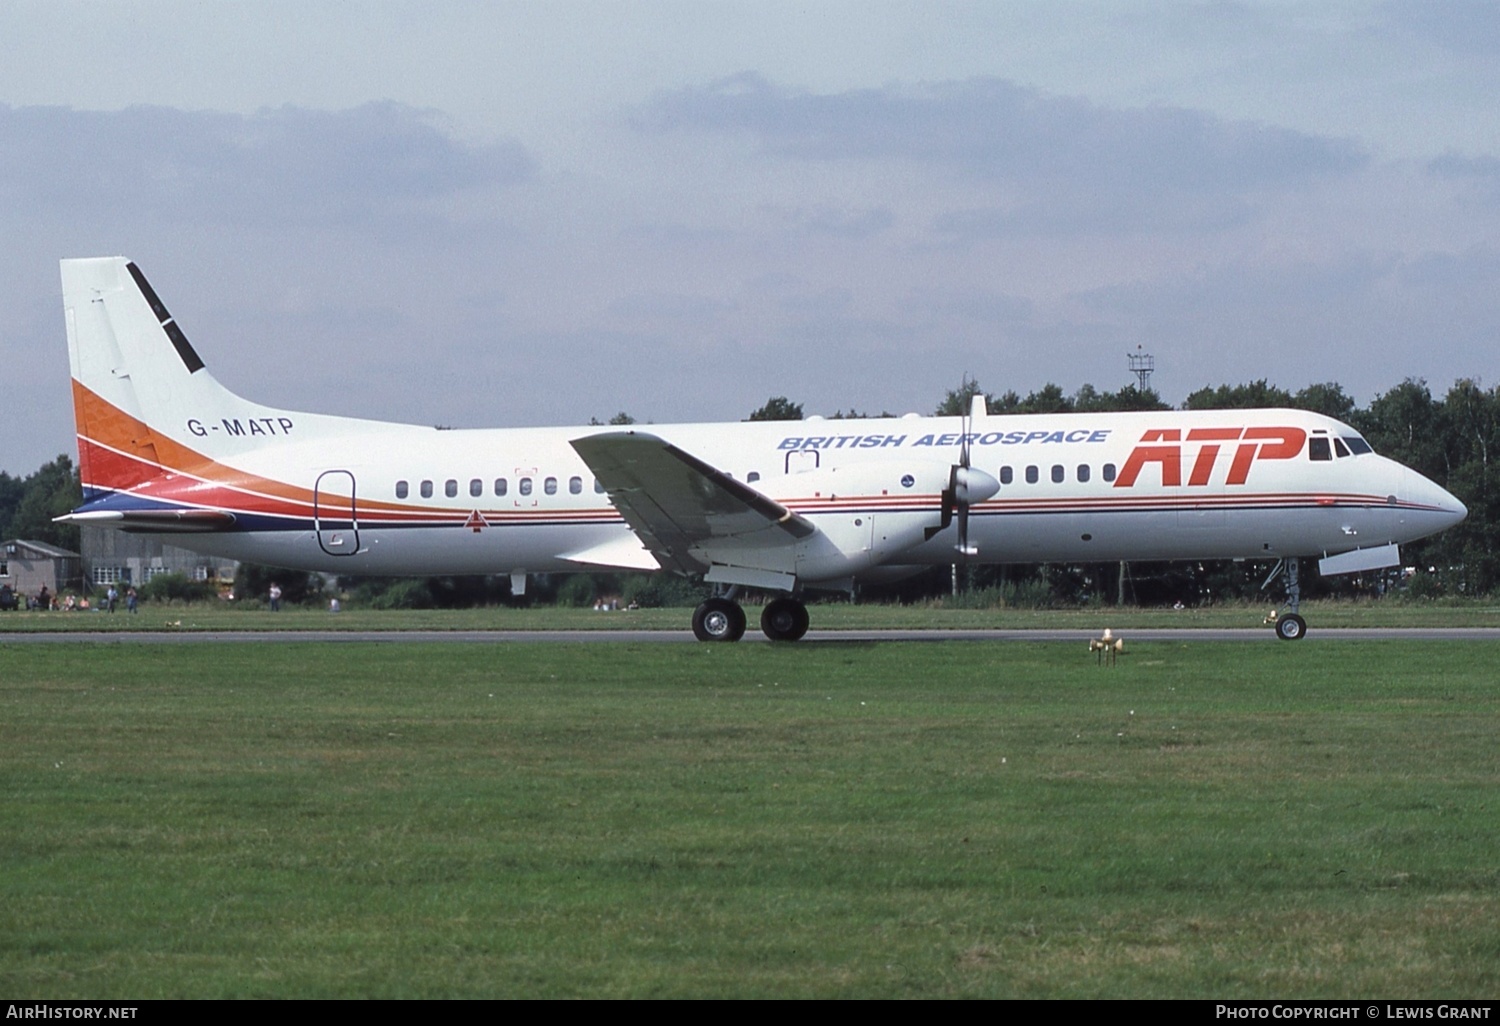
(1062, 497)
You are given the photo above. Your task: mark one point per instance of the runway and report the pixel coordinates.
(815, 637)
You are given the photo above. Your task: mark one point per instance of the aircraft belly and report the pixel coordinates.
(1166, 534)
(416, 551)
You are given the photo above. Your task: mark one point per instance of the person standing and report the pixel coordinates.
(275, 597)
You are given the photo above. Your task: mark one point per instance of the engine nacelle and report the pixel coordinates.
(868, 513)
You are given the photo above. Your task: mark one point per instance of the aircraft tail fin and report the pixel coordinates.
(143, 402)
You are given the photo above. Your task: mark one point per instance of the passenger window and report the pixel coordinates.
(1083, 473)
(450, 488)
(476, 487)
(501, 486)
(550, 486)
(1109, 472)
(1317, 449)
(426, 489)
(1032, 475)
(525, 486)
(598, 487)
(400, 489)
(753, 476)
(575, 486)
(1059, 475)
(1007, 475)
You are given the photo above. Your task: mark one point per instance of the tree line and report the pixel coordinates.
(28, 504)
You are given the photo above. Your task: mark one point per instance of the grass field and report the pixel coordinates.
(926, 820)
(829, 616)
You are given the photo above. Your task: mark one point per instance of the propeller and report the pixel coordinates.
(966, 485)
(958, 484)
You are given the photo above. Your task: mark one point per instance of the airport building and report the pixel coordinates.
(25, 566)
(119, 557)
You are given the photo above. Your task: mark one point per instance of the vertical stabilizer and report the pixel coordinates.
(132, 368)
(143, 402)
(123, 344)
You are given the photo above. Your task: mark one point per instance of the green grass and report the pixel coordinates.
(829, 616)
(926, 820)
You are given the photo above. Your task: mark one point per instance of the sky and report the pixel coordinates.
(500, 214)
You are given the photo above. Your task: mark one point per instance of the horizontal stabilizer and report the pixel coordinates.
(154, 521)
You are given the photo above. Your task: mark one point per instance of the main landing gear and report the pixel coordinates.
(1288, 624)
(722, 619)
(719, 619)
(784, 619)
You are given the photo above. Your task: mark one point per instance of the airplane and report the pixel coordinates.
(784, 507)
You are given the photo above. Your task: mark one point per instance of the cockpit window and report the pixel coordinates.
(1357, 445)
(1318, 449)
(1339, 448)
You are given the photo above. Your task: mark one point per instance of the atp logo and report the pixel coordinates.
(1163, 446)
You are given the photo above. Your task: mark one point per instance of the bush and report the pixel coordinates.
(1032, 594)
(177, 587)
(408, 593)
(252, 583)
(663, 590)
(577, 591)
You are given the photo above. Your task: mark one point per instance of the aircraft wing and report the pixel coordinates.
(675, 501)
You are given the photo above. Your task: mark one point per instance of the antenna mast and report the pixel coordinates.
(1141, 365)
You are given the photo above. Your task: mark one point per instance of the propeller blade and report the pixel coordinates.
(963, 547)
(967, 485)
(945, 507)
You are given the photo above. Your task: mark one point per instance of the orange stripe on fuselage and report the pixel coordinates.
(117, 452)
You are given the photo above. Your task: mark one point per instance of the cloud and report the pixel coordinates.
(1093, 214)
(1467, 27)
(849, 224)
(1001, 132)
(286, 164)
(1483, 170)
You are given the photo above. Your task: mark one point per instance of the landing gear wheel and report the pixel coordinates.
(1291, 627)
(784, 619)
(719, 619)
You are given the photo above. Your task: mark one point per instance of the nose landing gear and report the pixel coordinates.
(1288, 624)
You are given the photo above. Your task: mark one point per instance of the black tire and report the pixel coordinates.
(784, 619)
(719, 620)
(1291, 627)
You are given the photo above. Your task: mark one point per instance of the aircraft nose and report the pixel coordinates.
(1447, 508)
(1456, 509)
